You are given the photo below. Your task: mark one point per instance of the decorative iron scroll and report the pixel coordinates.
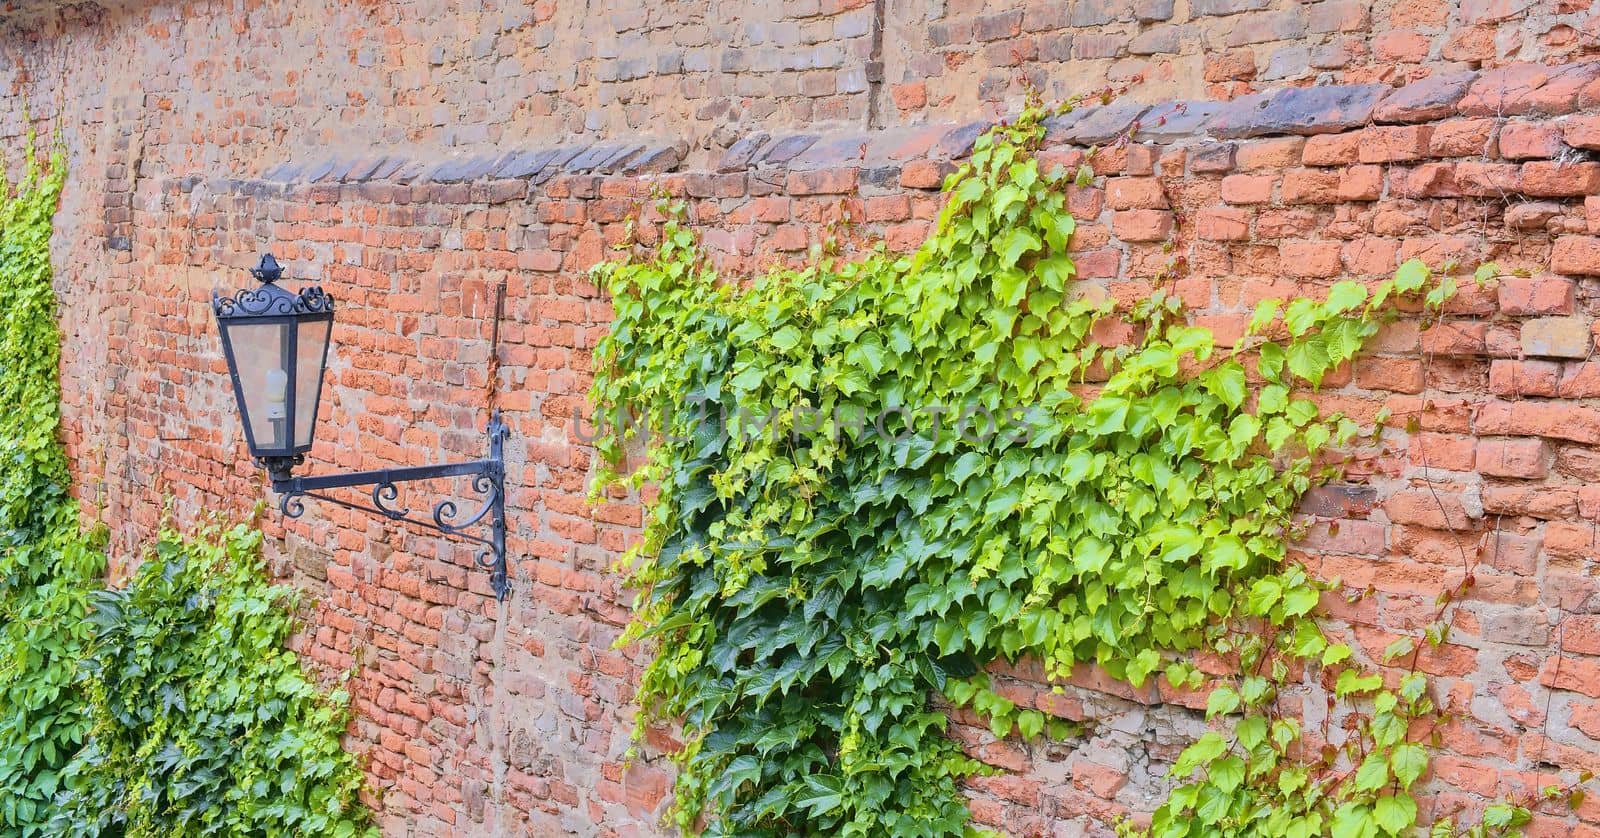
(488, 481)
(271, 300)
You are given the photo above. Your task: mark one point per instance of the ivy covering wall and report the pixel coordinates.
(167, 707)
(833, 556)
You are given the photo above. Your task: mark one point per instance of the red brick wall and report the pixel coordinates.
(390, 152)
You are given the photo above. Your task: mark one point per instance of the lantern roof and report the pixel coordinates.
(269, 300)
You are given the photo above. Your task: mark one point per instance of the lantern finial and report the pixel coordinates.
(267, 270)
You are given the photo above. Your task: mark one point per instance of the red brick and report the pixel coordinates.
(1526, 459)
(1524, 378)
(1247, 189)
(1270, 154)
(1556, 420)
(1212, 159)
(1400, 46)
(1369, 256)
(1331, 149)
(1547, 178)
(1580, 381)
(1310, 258)
(1450, 452)
(1142, 225)
(1461, 138)
(1574, 540)
(1488, 179)
(1430, 180)
(1311, 186)
(921, 174)
(1394, 143)
(1544, 502)
(789, 237)
(1455, 338)
(1521, 296)
(1135, 193)
(1225, 224)
(1438, 509)
(1519, 89)
(1085, 202)
(1099, 780)
(1532, 215)
(885, 208)
(1529, 140)
(909, 97)
(1361, 183)
(1578, 255)
(822, 182)
(1580, 633)
(1582, 132)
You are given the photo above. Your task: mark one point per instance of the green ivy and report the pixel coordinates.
(203, 722)
(47, 569)
(817, 583)
(169, 707)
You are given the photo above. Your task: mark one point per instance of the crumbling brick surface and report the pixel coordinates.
(411, 161)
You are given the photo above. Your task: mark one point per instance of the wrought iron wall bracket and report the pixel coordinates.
(488, 480)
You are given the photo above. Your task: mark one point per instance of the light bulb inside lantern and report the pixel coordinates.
(277, 393)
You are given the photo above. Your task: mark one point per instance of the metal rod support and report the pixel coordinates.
(488, 480)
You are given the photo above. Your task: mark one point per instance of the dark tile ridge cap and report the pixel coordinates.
(1511, 90)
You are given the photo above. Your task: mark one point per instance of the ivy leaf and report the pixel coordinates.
(1300, 601)
(1308, 359)
(1222, 701)
(1017, 242)
(1408, 761)
(1411, 276)
(1344, 296)
(1030, 723)
(1401, 646)
(823, 793)
(1010, 286)
(1373, 773)
(965, 466)
(1227, 383)
(786, 338)
(1354, 820)
(1226, 773)
(1266, 311)
(1227, 551)
(1351, 682)
(1251, 731)
(1205, 749)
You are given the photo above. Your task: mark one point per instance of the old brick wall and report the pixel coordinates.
(412, 158)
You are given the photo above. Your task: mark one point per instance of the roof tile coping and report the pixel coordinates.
(1518, 89)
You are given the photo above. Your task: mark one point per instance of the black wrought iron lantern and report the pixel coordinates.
(276, 345)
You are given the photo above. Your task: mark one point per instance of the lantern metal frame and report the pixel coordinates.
(271, 304)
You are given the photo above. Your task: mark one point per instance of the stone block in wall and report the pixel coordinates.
(783, 149)
(1104, 123)
(1171, 121)
(1312, 110)
(1434, 97)
(1523, 89)
(1557, 337)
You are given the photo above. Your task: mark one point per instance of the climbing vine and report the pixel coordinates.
(47, 568)
(203, 722)
(169, 707)
(875, 477)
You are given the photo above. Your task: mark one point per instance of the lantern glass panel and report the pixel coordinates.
(311, 351)
(262, 362)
